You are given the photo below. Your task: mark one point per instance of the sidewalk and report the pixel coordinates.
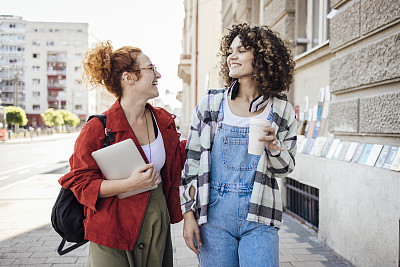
(27, 238)
(40, 138)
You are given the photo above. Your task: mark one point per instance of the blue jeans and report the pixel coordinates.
(228, 239)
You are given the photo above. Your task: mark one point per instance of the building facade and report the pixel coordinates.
(12, 49)
(48, 71)
(198, 66)
(347, 81)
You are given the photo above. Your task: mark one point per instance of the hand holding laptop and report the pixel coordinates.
(143, 177)
(122, 161)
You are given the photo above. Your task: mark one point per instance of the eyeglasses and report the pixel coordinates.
(152, 67)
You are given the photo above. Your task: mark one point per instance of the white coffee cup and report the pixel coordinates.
(257, 127)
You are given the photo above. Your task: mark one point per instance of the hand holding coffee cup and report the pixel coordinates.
(257, 127)
(262, 135)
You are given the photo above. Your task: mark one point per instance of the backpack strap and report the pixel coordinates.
(69, 249)
(109, 136)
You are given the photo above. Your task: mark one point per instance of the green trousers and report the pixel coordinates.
(153, 247)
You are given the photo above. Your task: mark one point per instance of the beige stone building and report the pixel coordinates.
(198, 66)
(347, 55)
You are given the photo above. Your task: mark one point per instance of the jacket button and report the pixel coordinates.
(141, 246)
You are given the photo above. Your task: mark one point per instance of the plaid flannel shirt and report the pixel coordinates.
(265, 202)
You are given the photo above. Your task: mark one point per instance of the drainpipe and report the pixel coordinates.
(197, 53)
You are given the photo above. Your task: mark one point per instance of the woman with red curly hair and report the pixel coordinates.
(132, 231)
(230, 199)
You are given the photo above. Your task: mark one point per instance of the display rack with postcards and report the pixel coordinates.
(374, 155)
(314, 139)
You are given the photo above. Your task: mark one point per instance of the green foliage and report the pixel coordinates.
(52, 117)
(16, 115)
(70, 118)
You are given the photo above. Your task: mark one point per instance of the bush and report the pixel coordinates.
(70, 119)
(52, 118)
(16, 115)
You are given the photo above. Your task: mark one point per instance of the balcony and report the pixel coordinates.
(57, 58)
(56, 98)
(12, 53)
(12, 30)
(184, 68)
(56, 72)
(57, 85)
(11, 89)
(12, 42)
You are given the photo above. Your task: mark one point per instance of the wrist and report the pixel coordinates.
(188, 215)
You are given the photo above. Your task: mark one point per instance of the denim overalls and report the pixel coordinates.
(229, 240)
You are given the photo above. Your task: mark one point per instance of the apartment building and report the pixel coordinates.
(12, 49)
(48, 66)
(348, 62)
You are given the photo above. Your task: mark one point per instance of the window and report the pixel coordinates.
(36, 68)
(35, 55)
(36, 107)
(312, 25)
(64, 43)
(78, 44)
(35, 81)
(36, 94)
(35, 43)
(78, 107)
(77, 55)
(50, 43)
(12, 25)
(79, 30)
(77, 69)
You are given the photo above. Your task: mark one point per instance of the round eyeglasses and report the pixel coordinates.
(152, 67)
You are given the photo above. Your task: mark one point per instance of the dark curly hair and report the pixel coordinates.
(104, 67)
(273, 63)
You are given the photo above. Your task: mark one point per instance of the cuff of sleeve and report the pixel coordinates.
(91, 194)
(188, 206)
(275, 152)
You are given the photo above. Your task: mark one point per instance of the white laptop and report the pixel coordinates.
(119, 161)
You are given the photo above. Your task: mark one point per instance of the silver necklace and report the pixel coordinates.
(148, 135)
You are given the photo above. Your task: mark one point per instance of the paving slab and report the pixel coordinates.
(27, 238)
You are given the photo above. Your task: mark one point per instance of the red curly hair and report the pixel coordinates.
(104, 67)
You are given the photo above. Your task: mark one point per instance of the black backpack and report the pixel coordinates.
(67, 213)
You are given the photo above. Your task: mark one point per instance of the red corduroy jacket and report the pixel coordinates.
(110, 221)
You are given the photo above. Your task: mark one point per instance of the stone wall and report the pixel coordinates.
(341, 34)
(367, 56)
(380, 114)
(375, 62)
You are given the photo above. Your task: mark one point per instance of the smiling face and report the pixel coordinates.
(147, 84)
(240, 60)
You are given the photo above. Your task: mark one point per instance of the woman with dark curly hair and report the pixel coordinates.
(131, 231)
(230, 199)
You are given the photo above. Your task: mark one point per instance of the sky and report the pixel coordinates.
(155, 26)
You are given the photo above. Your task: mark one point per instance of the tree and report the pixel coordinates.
(16, 115)
(70, 119)
(52, 118)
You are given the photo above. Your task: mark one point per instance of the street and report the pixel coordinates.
(23, 160)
